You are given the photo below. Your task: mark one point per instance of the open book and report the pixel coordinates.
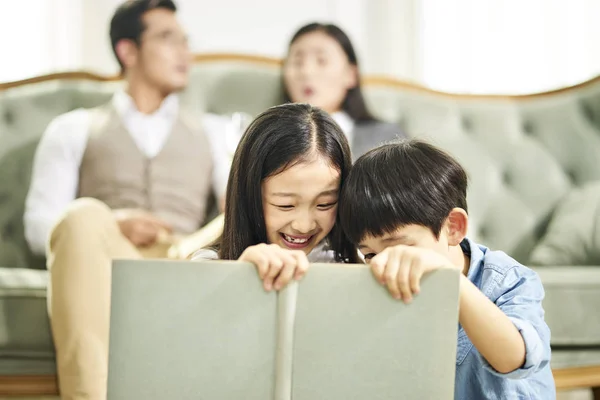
(207, 330)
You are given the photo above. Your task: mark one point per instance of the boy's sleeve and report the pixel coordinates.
(521, 296)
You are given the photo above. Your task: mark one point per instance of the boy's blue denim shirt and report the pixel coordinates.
(518, 292)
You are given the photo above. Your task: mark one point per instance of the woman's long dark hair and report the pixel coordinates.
(354, 103)
(277, 139)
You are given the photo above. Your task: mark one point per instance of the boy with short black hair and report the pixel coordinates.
(411, 199)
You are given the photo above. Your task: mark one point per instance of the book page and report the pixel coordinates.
(352, 340)
(191, 330)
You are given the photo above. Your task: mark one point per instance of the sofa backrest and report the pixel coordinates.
(522, 153)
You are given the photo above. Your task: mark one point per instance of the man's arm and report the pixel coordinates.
(55, 176)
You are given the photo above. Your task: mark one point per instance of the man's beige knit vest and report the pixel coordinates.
(175, 185)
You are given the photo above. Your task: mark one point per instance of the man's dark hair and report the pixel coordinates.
(127, 22)
(398, 184)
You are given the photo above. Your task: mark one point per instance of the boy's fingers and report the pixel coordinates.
(377, 266)
(391, 276)
(416, 272)
(403, 280)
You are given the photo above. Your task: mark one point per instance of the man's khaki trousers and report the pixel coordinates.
(81, 249)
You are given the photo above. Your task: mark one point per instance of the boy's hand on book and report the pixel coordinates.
(276, 266)
(401, 267)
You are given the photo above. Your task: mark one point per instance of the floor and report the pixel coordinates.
(573, 395)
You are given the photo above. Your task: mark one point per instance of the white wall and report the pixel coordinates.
(508, 46)
(472, 46)
(17, 38)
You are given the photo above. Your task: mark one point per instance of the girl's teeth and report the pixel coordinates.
(293, 240)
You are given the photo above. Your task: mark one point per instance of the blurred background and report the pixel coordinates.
(469, 46)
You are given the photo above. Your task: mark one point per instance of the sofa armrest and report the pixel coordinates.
(571, 304)
(11, 255)
(15, 282)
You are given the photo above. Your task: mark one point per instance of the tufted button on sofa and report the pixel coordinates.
(524, 154)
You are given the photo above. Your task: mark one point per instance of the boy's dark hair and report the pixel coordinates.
(354, 103)
(127, 22)
(277, 139)
(402, 183)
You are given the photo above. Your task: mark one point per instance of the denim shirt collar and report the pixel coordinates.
(476, 254)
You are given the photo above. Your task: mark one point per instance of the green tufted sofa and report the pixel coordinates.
(523, 153)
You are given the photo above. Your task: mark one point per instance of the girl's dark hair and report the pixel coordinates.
(398, 184)
(354, 103)
(277, 139)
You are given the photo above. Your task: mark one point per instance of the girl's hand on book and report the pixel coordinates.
(401, 267)
(276, 266)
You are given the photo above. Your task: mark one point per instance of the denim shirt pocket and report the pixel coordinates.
(464, 346)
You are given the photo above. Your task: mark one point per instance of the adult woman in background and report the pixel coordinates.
(321, 68)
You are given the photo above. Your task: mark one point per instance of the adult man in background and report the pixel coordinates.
(123, 180)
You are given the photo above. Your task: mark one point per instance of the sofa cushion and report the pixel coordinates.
(572, 293)
(573, 235)
(574, 358)
(536, 152)
(24, 324)
(15, 172)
